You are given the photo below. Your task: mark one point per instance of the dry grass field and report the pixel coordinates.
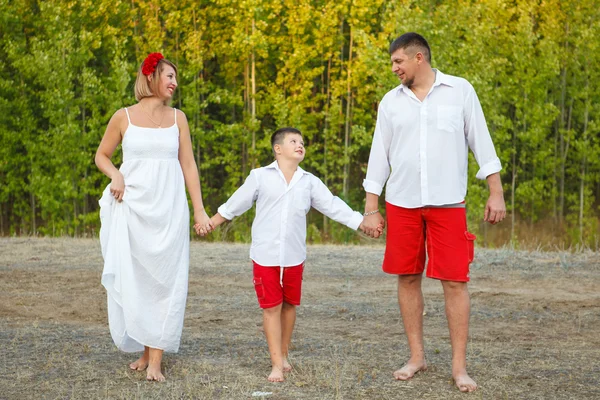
(535, 328)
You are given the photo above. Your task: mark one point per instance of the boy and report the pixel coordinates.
(284, 193)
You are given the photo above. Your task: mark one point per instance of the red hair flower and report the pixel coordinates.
(150, 63)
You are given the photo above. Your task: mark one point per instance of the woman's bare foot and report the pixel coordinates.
(464, 383)
(409, 370)
(140, 364)
(276, 375)
(287, 367)
(154, 373)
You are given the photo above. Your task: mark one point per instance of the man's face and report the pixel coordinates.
(405, 65)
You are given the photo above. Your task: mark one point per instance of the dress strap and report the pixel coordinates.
(174, 109)
(127, 112)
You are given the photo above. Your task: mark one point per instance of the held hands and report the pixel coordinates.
(117, 186)
(495, 209)
(373, 225)
(203, 224)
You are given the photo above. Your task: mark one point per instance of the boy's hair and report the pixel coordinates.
(278, 136)
(142, 87)
(414, 41)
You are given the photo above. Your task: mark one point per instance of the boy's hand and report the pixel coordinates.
(374, 233)
(203, 230)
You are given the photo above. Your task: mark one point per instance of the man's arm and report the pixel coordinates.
(372, 224)
(478, 136)
(480, 143)
(378, 171)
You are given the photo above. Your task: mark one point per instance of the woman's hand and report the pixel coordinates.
(203, 225)
(117, 186)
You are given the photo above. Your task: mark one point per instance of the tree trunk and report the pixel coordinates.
(583, 166)
(563, 163)
(347, 127)
(325, 130)
(563, 117)
(512, 190)
(253, 99)
(135, 30)
(33, 222)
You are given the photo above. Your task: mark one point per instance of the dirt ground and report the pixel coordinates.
(535, 326)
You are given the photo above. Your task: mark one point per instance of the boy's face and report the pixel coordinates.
(292, 147)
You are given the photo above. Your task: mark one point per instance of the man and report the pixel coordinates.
(424, 129)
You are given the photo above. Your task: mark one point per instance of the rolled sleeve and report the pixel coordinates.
(225, 213)
(488, 169)
(372, 187)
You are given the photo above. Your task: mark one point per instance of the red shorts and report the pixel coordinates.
(441, 232)
(269, 289)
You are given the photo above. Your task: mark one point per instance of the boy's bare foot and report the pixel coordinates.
(154, 373)
(287, 367)
(140, 364)
(276, 375)
(464, 383)
(409, 370)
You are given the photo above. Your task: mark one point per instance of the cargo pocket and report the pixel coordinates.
(470, 245)
(260, 289)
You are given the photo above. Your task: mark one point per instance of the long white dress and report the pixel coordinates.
(145, 243)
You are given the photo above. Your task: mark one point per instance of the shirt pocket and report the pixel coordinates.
(302, 200)
(449, 118)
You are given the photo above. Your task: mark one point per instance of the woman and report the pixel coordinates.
(145, 216)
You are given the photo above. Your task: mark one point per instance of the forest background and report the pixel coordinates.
(247, 67)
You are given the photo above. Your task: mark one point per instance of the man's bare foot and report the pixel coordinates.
(154, 374)
(464, 383)
(276, 375)
(409, 370)
(140, 364)
(287, 367)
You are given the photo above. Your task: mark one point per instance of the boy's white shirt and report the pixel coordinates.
(279, 227)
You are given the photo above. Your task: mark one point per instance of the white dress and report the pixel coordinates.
(145, 242)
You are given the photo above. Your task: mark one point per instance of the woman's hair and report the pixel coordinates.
(144, 87)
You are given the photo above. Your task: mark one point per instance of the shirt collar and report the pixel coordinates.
(275, 166)
(440, 79)
(298, 174)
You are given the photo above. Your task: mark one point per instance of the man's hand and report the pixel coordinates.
(495, 209)
(373, 225)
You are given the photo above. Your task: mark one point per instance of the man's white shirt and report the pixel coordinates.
(423, 146)
(279, 227)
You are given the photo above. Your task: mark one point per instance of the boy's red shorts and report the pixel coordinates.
(269, 289)
(439, 232)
